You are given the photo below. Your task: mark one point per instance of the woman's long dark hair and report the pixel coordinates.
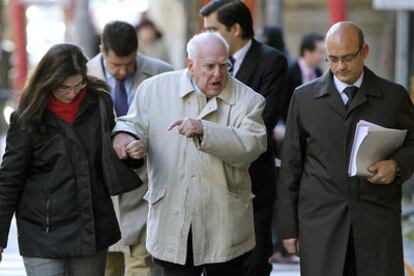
(60, 62)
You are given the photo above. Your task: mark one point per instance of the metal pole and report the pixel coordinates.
(274, 13)
(84, 34)
(401, 53)
(19, 33)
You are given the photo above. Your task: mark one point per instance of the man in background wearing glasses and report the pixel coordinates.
(341, 225)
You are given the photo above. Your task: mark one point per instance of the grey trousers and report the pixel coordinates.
(93, 265)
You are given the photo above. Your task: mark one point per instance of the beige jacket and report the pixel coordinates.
(130, 208)
(205, 186)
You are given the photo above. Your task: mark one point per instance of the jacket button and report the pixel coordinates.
(176, 211)
(170, 249)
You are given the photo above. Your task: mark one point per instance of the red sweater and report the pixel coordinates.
(66, 111)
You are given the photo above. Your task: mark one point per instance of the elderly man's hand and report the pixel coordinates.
(120, 142)
(188, 127)
(292, 246)
(384, 172)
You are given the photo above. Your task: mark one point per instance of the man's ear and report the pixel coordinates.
(189, 63)
(365, 50)
(236, 30)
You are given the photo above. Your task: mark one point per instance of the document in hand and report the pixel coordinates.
(372, 143)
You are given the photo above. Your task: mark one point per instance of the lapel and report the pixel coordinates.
(209, 108)
(142, 72)
(250, 62)
(369, 88)
(98, 63)
(330, 94)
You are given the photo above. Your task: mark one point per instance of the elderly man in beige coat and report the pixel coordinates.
(201, 130)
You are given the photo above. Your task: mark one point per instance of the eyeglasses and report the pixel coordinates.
(67, 89)
(345, 59)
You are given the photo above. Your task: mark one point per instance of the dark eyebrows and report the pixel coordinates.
(211, 29)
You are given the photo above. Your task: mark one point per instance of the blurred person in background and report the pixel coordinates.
(302, 70)
(308, 66)
(150, 40)
(51, 175)
(264, 69)
(273, 36)
(123, 68)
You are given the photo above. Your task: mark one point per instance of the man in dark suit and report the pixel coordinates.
(264, 69)
(307, 67)
(342, 225)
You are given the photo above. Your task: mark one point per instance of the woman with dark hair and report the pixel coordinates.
(51, 175)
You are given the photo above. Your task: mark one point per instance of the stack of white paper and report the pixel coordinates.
(372, 143)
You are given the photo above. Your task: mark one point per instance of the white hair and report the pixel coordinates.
(201, 39)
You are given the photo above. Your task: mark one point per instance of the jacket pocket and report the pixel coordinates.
(154, 195)
(155, 222)
(241, 216)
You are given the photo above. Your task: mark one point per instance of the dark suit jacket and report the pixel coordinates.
(264, 69)
(319, 201)
(294, 80)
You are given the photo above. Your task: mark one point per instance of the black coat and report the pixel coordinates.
(264, 69)
(319, 202)
(52, 180)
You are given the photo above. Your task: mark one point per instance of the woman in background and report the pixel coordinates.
(150, 41)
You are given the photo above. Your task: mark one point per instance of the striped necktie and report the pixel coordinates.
(350, 91)
(230, 66)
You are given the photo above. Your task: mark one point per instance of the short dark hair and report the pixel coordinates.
(230, 12)
(120, 37)
(308, 42)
